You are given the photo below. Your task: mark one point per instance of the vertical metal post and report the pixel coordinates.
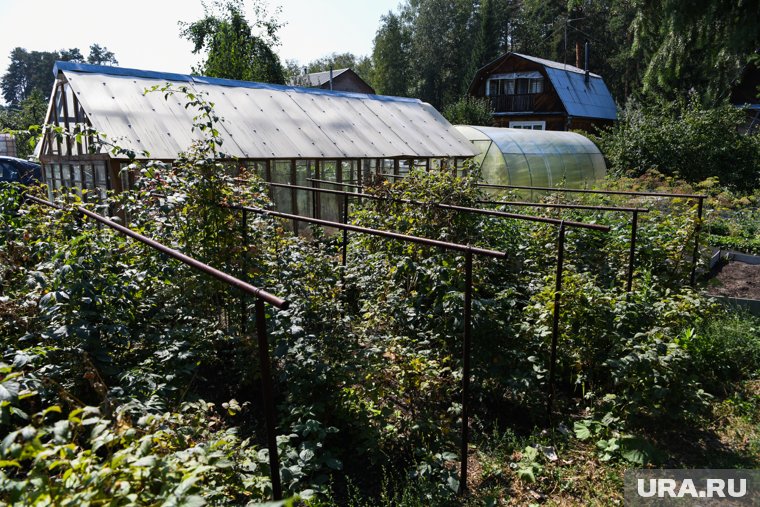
(697, 230)
(555, 324)
(344, 245)
(466, 349)
(244, 270)
(266, 391)
(632, 255)
(294, 194)
(314, 195)
(318, 195)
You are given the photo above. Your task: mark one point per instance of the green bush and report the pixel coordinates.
(469, 110)
(725, 349)
(685, 140)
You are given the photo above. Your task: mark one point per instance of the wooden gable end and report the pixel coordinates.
(349, 81)
(546, 101)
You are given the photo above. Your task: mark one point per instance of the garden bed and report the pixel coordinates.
(737, 283)
(736, 279)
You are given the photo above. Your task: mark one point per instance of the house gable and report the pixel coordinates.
(541, 92)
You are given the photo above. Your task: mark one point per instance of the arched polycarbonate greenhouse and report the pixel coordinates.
(535, 157)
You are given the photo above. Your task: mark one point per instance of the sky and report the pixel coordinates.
(144, 34)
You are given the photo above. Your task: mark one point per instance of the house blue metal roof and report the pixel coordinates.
(591, 100)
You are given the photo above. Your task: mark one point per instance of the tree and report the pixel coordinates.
(232, 49)
(100, 55)
(391, 56)
(71, 55)
(31, 111)
(684, 139)
(28, 71)
(33, 70)
(441, 46)
(695, 45)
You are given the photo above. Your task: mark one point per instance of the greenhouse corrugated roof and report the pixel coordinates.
(260, 120)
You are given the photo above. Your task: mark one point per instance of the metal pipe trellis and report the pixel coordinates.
(467, 339)
(261, 296)
(667, 195)
(560, 257)
(517, 216)
(634, 223)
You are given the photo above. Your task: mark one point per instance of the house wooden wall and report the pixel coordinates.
(349, 82)
(546, 102)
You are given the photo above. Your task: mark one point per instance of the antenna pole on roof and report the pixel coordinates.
(586, 62)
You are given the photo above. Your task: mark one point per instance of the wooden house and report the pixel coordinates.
(532, 93)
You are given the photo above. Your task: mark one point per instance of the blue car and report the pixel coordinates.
(17, 169)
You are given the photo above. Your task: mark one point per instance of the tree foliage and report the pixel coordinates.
(31, 111)
(431, 49)
(469, 111)
(33, 70)
(234, 47)
(100, 55)
(700, 46)
(391, 54)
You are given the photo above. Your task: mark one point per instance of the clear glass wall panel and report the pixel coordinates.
(282, 197)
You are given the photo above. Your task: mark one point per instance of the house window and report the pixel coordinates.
(529, 125)
(515, 83)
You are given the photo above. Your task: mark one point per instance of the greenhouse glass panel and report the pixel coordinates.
(282, 197)
(540, 174)
(493, 166)
(305, 197)
(329, 202)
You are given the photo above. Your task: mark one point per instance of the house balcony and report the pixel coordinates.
(512, 103)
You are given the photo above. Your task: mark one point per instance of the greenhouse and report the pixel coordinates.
(534, 157)
(286, 134)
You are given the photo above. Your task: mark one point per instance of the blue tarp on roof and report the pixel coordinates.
(187, 78)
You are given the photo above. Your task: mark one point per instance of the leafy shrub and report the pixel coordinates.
(79, 457)
(725, 349)
(469, 110)
(685, 140)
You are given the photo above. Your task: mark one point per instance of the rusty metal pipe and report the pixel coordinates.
(205, 268)
(504, 214)
(565, 206)
(336, 183)
(697, 230)
(267, 393)
(588, 191)
(263, 345)
(555, 319)
(375, 232)
(244, 269)
(466, 352)
(632, 254)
